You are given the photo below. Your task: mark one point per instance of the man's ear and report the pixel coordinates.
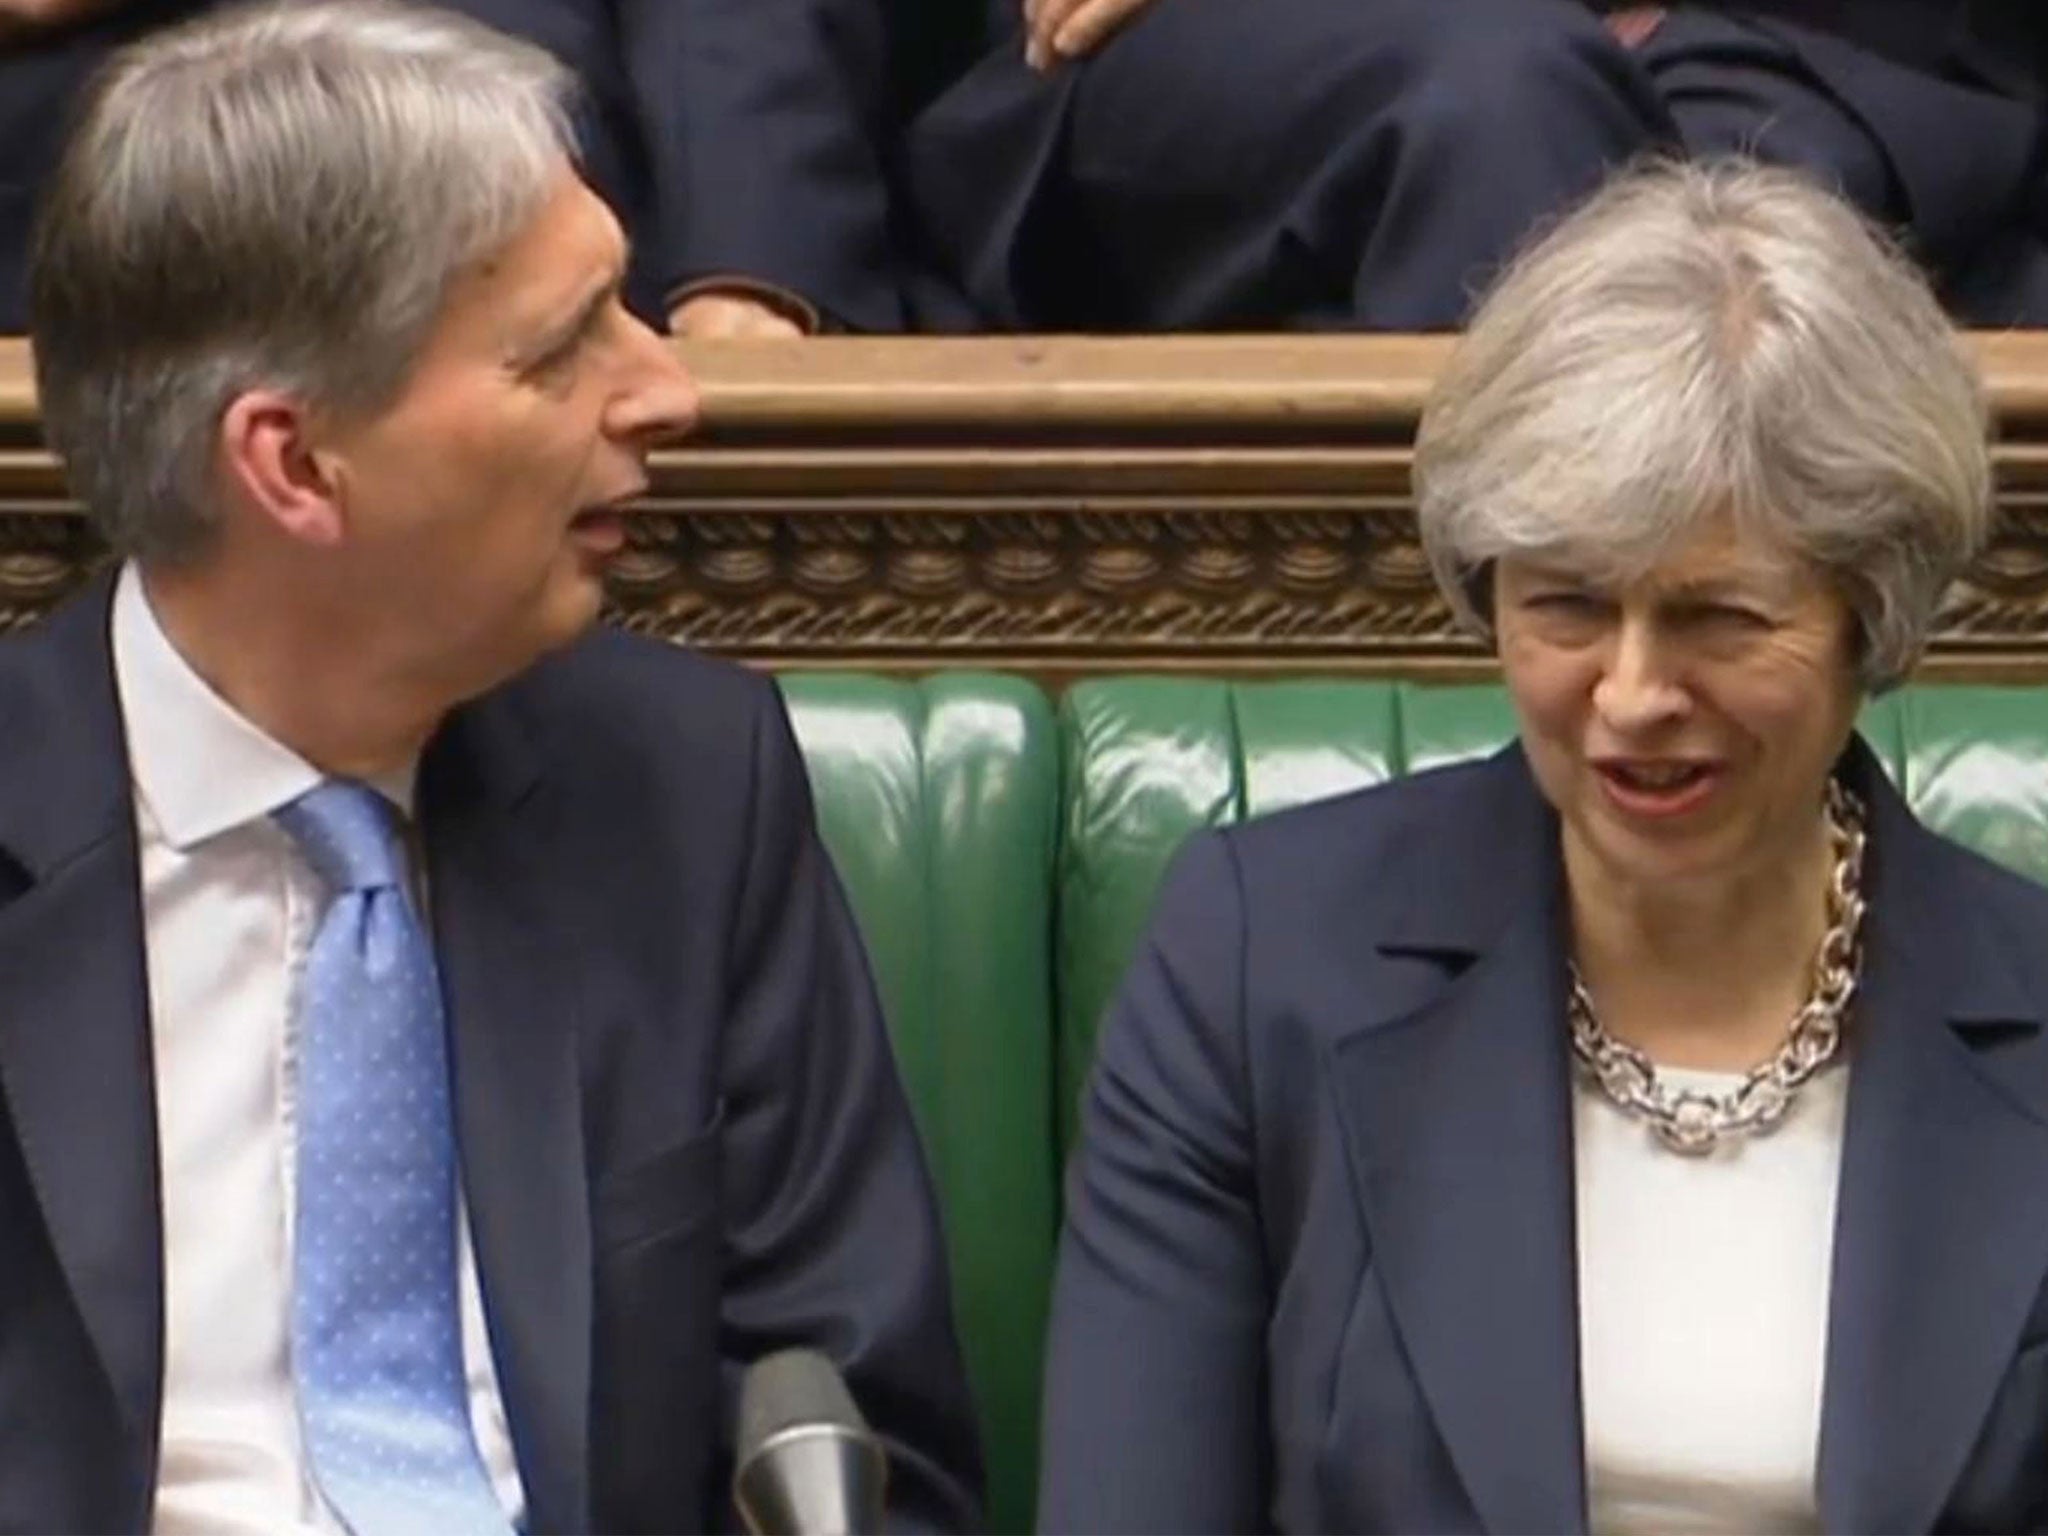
(269, 457)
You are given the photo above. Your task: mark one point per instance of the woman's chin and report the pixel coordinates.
(1663, 848)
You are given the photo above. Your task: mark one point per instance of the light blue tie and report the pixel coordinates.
(376, 1336)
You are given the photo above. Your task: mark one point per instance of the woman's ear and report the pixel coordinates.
(1479, 592)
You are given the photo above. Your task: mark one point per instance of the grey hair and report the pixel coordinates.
(1703, 340)
(269, 196)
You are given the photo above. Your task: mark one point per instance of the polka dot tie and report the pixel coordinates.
(376, 1336)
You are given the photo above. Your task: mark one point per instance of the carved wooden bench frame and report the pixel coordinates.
(1071, 505)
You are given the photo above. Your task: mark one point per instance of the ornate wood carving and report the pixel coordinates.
(1212, 504)
(1047, 586)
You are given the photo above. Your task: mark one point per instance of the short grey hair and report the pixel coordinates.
(1700, 340)
(270, 196)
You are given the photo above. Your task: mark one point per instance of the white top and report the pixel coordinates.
(229, 908)
(1703, 1309)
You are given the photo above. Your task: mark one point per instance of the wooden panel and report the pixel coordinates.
(1069, 505)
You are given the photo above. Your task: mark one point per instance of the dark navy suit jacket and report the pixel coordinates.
(682, 1137)
(1318, 1270)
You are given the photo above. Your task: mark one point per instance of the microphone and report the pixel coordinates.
(808, 1463)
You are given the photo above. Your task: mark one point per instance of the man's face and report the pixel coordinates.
(481, 506)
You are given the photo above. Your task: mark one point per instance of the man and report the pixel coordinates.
(745, 144)
(1163, 164)
(435, 1054)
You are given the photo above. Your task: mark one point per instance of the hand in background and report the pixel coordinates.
(1634, 25)
(1056, 30)
(717, 316)
(18, 18)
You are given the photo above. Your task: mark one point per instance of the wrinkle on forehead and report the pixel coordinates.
(1718, 547)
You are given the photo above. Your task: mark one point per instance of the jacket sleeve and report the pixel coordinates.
(832, 1236)
(1154, 1416)
(762, 122)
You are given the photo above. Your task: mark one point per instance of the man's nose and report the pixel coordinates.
(659, 399)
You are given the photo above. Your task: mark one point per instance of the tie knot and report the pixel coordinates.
(348, 834)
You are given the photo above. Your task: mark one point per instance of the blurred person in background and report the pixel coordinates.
(747, 144)
(1336, 164)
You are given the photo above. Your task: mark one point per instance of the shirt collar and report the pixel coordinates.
(200, 766)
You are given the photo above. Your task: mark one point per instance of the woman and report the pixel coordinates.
(1646, 1128)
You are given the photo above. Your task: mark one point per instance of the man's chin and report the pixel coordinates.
(574, 611)
(565, 613)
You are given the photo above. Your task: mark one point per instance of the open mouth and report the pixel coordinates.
(601, 530)
(1658, 788)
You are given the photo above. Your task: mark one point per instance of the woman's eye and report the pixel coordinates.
(1728, 616)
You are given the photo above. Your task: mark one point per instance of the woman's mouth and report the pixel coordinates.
(1658, 789)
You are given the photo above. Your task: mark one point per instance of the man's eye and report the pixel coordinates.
(1565, 603)
(556, 360)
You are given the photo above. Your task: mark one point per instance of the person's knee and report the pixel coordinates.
(1542, 71)
(1286, 83)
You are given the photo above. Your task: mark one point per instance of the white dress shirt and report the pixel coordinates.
(1703, 1316)
(229, 908)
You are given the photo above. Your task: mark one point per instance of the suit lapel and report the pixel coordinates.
(1457, 1118)
(504, 962)
(1941, 1238)
(75, 1055)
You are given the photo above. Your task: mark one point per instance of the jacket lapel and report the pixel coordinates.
(1941, 1238)
(505, 964)
(1457, 1118)
(75, 1055)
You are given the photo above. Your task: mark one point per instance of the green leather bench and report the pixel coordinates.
(1001, 854)
(940, 803)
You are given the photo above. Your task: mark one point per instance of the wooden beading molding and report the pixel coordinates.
(1069, 505)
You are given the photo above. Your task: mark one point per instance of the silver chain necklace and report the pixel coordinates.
(1695, 1123)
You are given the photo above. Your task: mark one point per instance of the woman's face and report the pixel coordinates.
(1684, 725)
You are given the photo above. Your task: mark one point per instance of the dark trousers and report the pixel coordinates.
(1335, 164)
